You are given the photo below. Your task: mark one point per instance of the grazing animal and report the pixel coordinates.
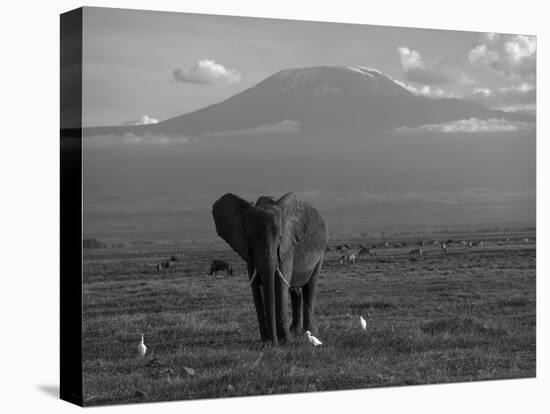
(283, 243)
(313, 339)
(166, 264)
(174, 258)
(421, 243)
(344, 258)
(142, 348)
(363, 323)
(444, 247)
(351, 258)
(416, 252)
(218, 265)
(363, 251)
(343, 248)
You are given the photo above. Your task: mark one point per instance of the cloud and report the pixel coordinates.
(148, 138)
(520, 96)
(144, 120)
(410, 59)
(284, 127)
(513, 56)
(415, 69)
(527, 109)
(207, 72)
(523, 90)
(429, 91)
(442, 72)
(469, 126)
(103, 141)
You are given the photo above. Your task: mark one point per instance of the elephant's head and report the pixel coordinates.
(263, 234)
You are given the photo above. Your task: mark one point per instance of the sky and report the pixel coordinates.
(142, 66)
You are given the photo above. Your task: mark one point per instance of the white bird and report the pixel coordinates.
(142, 349)
(363, 323)
(313, 339)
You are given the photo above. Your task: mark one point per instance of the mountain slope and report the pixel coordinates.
(320, 99)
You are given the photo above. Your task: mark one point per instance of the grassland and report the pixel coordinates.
(462, 316)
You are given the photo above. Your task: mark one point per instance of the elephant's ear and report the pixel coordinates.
(262, 200)
(228, 214)
(293, 211)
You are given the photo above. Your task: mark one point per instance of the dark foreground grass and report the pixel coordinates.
(465, 316)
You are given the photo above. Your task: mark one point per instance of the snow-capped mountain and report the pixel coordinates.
(318, 99)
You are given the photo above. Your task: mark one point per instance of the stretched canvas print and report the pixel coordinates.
(257, 206)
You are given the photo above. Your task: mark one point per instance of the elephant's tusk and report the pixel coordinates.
(253, 277)
(282, 277)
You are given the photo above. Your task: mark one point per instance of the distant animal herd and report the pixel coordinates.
(347, 254)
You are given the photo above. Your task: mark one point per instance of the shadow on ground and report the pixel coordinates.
(49, 389)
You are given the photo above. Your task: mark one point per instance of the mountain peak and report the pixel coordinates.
(330, 70)
(371, 72)
(331, 80)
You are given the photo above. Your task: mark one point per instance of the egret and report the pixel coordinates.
(363, 323)
(313, 339)
(142, 349)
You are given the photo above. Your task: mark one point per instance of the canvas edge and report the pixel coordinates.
(71, 207)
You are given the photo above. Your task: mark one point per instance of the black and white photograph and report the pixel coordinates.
(276, 206)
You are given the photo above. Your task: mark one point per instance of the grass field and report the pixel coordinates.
(462, 316)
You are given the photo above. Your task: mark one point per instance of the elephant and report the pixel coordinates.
(283, 243)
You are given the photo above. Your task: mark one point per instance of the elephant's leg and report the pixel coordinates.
(296, 300)
(281, 310)
(260, 312)
(309, 292)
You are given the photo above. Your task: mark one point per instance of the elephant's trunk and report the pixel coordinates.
(269, 297)
(267, 268)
